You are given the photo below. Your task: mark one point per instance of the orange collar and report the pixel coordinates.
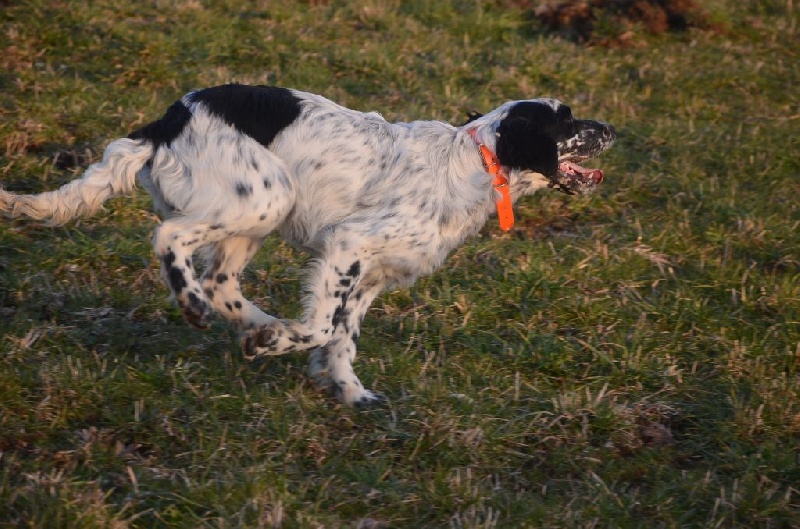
(505, 212)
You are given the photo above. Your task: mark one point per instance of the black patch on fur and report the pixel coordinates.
(165, 130)
(296, 337)
(174, 274)
(221, 277)
(261, 112)
(169, 258)
(194, 301)
(341, 315)
(243, 189)
(176, 279)
(354, 269)
(528, 137)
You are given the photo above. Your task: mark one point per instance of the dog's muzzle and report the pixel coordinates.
(594, 138)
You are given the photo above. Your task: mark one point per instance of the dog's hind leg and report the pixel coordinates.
(221, 282)
(174, 243)
(230, 212)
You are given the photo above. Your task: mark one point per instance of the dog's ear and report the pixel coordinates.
(523, 145)
(472, 115)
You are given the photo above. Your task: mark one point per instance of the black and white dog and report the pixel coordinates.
(377, 204)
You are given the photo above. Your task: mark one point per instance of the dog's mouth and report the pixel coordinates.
(575, 179)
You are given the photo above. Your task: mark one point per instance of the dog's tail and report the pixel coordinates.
(115, 175)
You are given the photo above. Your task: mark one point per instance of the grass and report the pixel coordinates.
(630, 359)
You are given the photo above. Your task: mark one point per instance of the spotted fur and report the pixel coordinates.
(377, 204)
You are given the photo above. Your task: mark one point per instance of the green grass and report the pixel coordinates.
(630, 359)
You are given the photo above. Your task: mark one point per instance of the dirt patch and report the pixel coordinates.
(65, 159)
(617, 22)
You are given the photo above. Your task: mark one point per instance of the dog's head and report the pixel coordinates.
(540, 136)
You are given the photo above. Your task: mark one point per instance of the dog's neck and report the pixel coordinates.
(505, 210)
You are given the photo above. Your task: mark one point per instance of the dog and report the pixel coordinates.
(376, 204)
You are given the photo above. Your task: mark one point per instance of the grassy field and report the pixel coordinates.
(629, 359)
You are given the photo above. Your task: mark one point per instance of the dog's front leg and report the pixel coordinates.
(331, 285)
(331, 366)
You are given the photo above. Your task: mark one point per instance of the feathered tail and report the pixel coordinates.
(114, 176)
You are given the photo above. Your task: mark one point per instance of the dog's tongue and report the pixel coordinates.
(595, 175)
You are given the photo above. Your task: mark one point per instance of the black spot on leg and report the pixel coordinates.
(229, 306)
(341, 316)
(209, 293)
(176, 279)
(254, 164)
(216, 226)
(354, 269)
(344, 282)
(237, 304)
(262, 217)
(355, 336)
(188, 262)
(267, 183)
(168, 258)
(337, 316)
(194, 301)
(296, 337)
(221, 277)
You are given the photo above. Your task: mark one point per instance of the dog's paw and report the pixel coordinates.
(258, 342)
(357, 396)
(318, 368)
(266, 340)
(197, 312)
(370, 399)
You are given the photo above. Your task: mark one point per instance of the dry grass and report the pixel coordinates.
(630, 359)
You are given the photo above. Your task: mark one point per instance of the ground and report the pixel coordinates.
(626, 359)
(617, 22)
